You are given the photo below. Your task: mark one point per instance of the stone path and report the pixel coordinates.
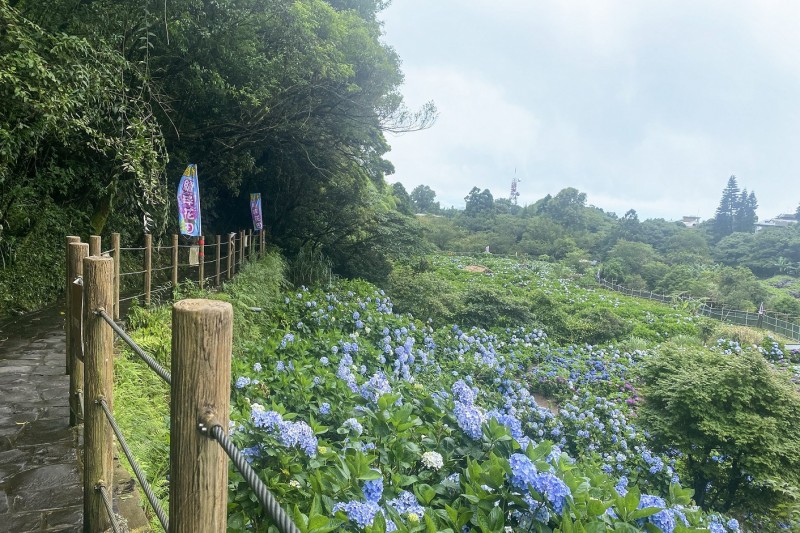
(40, 478)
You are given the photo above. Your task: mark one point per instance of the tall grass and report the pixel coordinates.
(141, 398)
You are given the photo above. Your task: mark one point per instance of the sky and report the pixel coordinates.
(641, 104)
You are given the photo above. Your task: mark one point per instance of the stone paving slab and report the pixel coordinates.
(41, 487)
(40, 477)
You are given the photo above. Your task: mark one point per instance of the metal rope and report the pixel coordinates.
(109, 509)
(268, 501)
(107, 252)
(152, 363)
(132, 249)
(132, 297)
(151, 497)
(123, 274)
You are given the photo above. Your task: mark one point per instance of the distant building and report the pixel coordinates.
(691, 222)
(781, 221)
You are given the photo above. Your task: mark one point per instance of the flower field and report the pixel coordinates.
(363, 419)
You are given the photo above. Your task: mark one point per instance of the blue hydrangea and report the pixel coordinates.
(373, 489)
(469, 418)
(362, 513)
(664, 519)
(325, 408)
(351, 424)
(523, 471)
(377, 386)
(406, 503)
(242, 382)
(257, 367)
(463, 393)
(555, 490)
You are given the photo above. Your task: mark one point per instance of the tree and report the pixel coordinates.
(736, 211)
(745, 219)
(723, 223)
(478, 202)
(566, 207)
(424, 199)
(402, 199)
(734, 419)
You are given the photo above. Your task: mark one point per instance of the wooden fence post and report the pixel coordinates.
(231, 255)
(263, 241)
(174, 264)
(94, 245)
(115, 245)
(241, 248)
(68, 295)
(218, 256)
(77, 253)
(251, 245)
(202, 333)
(201, 257)
(98, 467)
(148, 267)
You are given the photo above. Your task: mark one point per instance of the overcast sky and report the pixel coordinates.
(640, 104)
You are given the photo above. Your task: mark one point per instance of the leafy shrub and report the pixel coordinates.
(487, 307)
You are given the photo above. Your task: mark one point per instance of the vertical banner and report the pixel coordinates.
(255, 210)
(189, 202)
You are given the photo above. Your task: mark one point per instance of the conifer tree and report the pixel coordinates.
(723, 223)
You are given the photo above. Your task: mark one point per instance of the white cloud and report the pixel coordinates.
(478, 133)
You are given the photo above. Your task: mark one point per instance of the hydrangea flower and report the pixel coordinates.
(242, 382)
(432, 460)
(351, 424)
(373, 489)
(406, 503)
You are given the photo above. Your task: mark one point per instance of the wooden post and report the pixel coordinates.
(115, 246)
(68, 295)
(201, 257)
(231, 254)
(174, 265)
(77, 253)
(202, 334)
(263, 242)
(217, 259)
(241, 248)
(94, 245)
(98, 276)
(251, 246)
(148, 266)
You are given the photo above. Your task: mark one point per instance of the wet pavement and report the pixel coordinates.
(40, 477)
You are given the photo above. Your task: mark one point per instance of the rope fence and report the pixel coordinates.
(786, 328)
(199, 381)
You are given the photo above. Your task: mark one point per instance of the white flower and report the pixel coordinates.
(432, 460)
(294, 483)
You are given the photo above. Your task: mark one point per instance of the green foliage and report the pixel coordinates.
(488, 307)
(735, 419)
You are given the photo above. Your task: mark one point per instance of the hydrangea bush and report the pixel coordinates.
(361, 419)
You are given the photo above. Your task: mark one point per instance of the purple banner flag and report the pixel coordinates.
(255, 210)
(189, 203)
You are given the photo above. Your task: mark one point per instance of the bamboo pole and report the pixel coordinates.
(174, 265)
(77, 253)
(202, 333)
(68, 295)
(115, 245)
(98, 379)
(148, 267)
(94, 245)
(218, 256)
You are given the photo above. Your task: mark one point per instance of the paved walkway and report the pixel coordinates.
(40, 479)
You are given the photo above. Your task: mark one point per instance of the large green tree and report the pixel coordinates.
(290, 99)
